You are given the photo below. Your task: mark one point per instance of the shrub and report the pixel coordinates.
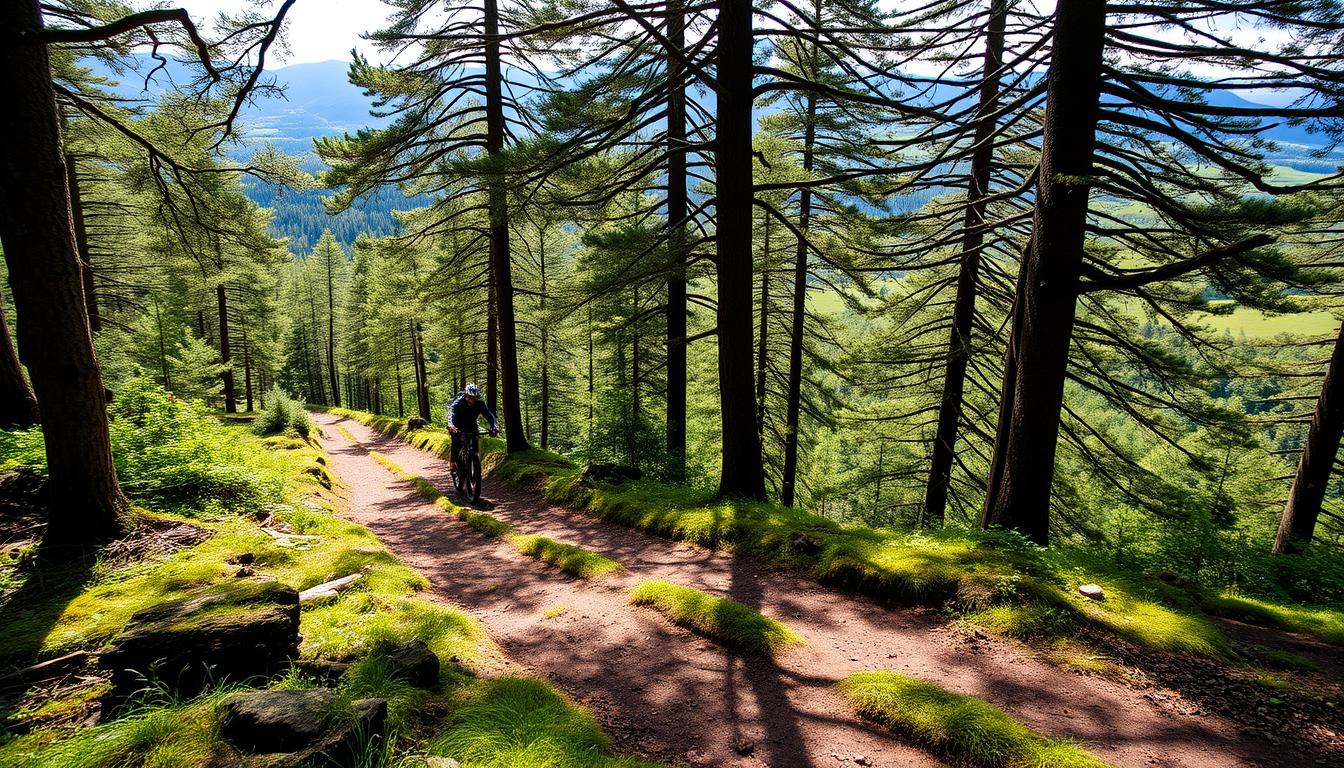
(282, 413)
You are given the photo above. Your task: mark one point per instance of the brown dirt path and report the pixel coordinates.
(667, 694)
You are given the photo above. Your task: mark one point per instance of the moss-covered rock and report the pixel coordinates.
(237, 630)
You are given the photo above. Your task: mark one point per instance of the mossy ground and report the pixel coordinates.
(966, 729)
(968, 571)
(724, 621)
(383, 609)
(569, 558)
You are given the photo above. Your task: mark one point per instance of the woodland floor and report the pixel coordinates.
(667, 694)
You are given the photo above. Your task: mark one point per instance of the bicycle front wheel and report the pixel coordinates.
(474, 471)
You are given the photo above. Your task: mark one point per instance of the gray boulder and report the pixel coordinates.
(237, 630)
(301, 728)
(415, 663)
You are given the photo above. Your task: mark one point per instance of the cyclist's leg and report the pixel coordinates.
(454, 447)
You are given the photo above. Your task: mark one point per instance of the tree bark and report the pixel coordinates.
(331, 333)
(225, 357)
(18, 405)
(762, 341)
(545, 348)
(247, 371)
(82, 243)
(794, 403)
(972, 245)
(501, 266)
(1298, 523)
(55, 342)
(676, 213)
(742, 472)
(421, 378)
(1022, 470)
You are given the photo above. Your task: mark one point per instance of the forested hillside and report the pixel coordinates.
(1028, 312)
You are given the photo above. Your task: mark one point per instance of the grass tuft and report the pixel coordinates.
(512, 722)
(569, 558)
(1324, 623)
(481, 522)
(964, 728)
(724, 621)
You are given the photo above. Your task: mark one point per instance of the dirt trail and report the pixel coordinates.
(665, 693)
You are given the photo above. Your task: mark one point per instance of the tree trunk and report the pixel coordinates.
(501, 266)
(163, 348)
(1298, 522)
(676, 276)
(491, 344)
(742, 472)
(230, 399)
(1022, 470)
(331, 334)
(762, 342)
(421, 378)
(545, 349)
(82, 243)
(973, 238)
(86, 503)
(18, 405)
(247, 371)
(793, 406)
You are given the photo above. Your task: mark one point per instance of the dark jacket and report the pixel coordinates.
(463, 415)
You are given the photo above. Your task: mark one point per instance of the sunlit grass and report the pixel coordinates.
(1324, 623)
(966, 729)
(567, 557)
(724, 621)
(514, 722)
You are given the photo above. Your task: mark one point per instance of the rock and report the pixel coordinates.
(440, 762)
(1174, 579)
(744, 746)
(303, 725)
(23, 487)
(804, 544)
(861, 760)
(414, 423)
(415, 663)
(322, 671)
(1091, 591)
(242, 558)
(276, 721)
(244, 572)
(239, 629)
(612, 474)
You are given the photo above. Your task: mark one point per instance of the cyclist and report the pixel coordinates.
(463, 413)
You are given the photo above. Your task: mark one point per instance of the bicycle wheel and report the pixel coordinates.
(474, 470)
(457, 475)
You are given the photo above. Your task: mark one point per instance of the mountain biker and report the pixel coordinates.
(463, 413)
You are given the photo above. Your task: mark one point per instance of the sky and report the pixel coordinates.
(318, 30)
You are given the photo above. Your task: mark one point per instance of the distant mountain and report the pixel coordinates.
(319, 101)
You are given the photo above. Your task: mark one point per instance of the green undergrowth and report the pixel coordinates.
(512, 722)
(967, 571)
(1325, 623)
(964, 728)
(722, 620)
(569, 558)
(381, 610)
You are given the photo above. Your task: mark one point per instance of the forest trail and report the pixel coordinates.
(665, 693)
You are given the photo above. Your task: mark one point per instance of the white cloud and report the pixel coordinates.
(318, 30)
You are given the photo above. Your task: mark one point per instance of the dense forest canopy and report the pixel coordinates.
(904, 264)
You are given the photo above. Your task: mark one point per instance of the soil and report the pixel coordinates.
(664, 693)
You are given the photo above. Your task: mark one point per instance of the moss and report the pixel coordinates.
(515, 722)
(567, 557)
(964, 728)
(554, 612)
(965, 570)
(724, 621)
(1275, 658)
(1324, 623)
(481, 522)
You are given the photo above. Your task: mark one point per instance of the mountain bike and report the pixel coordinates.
(467, 476)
